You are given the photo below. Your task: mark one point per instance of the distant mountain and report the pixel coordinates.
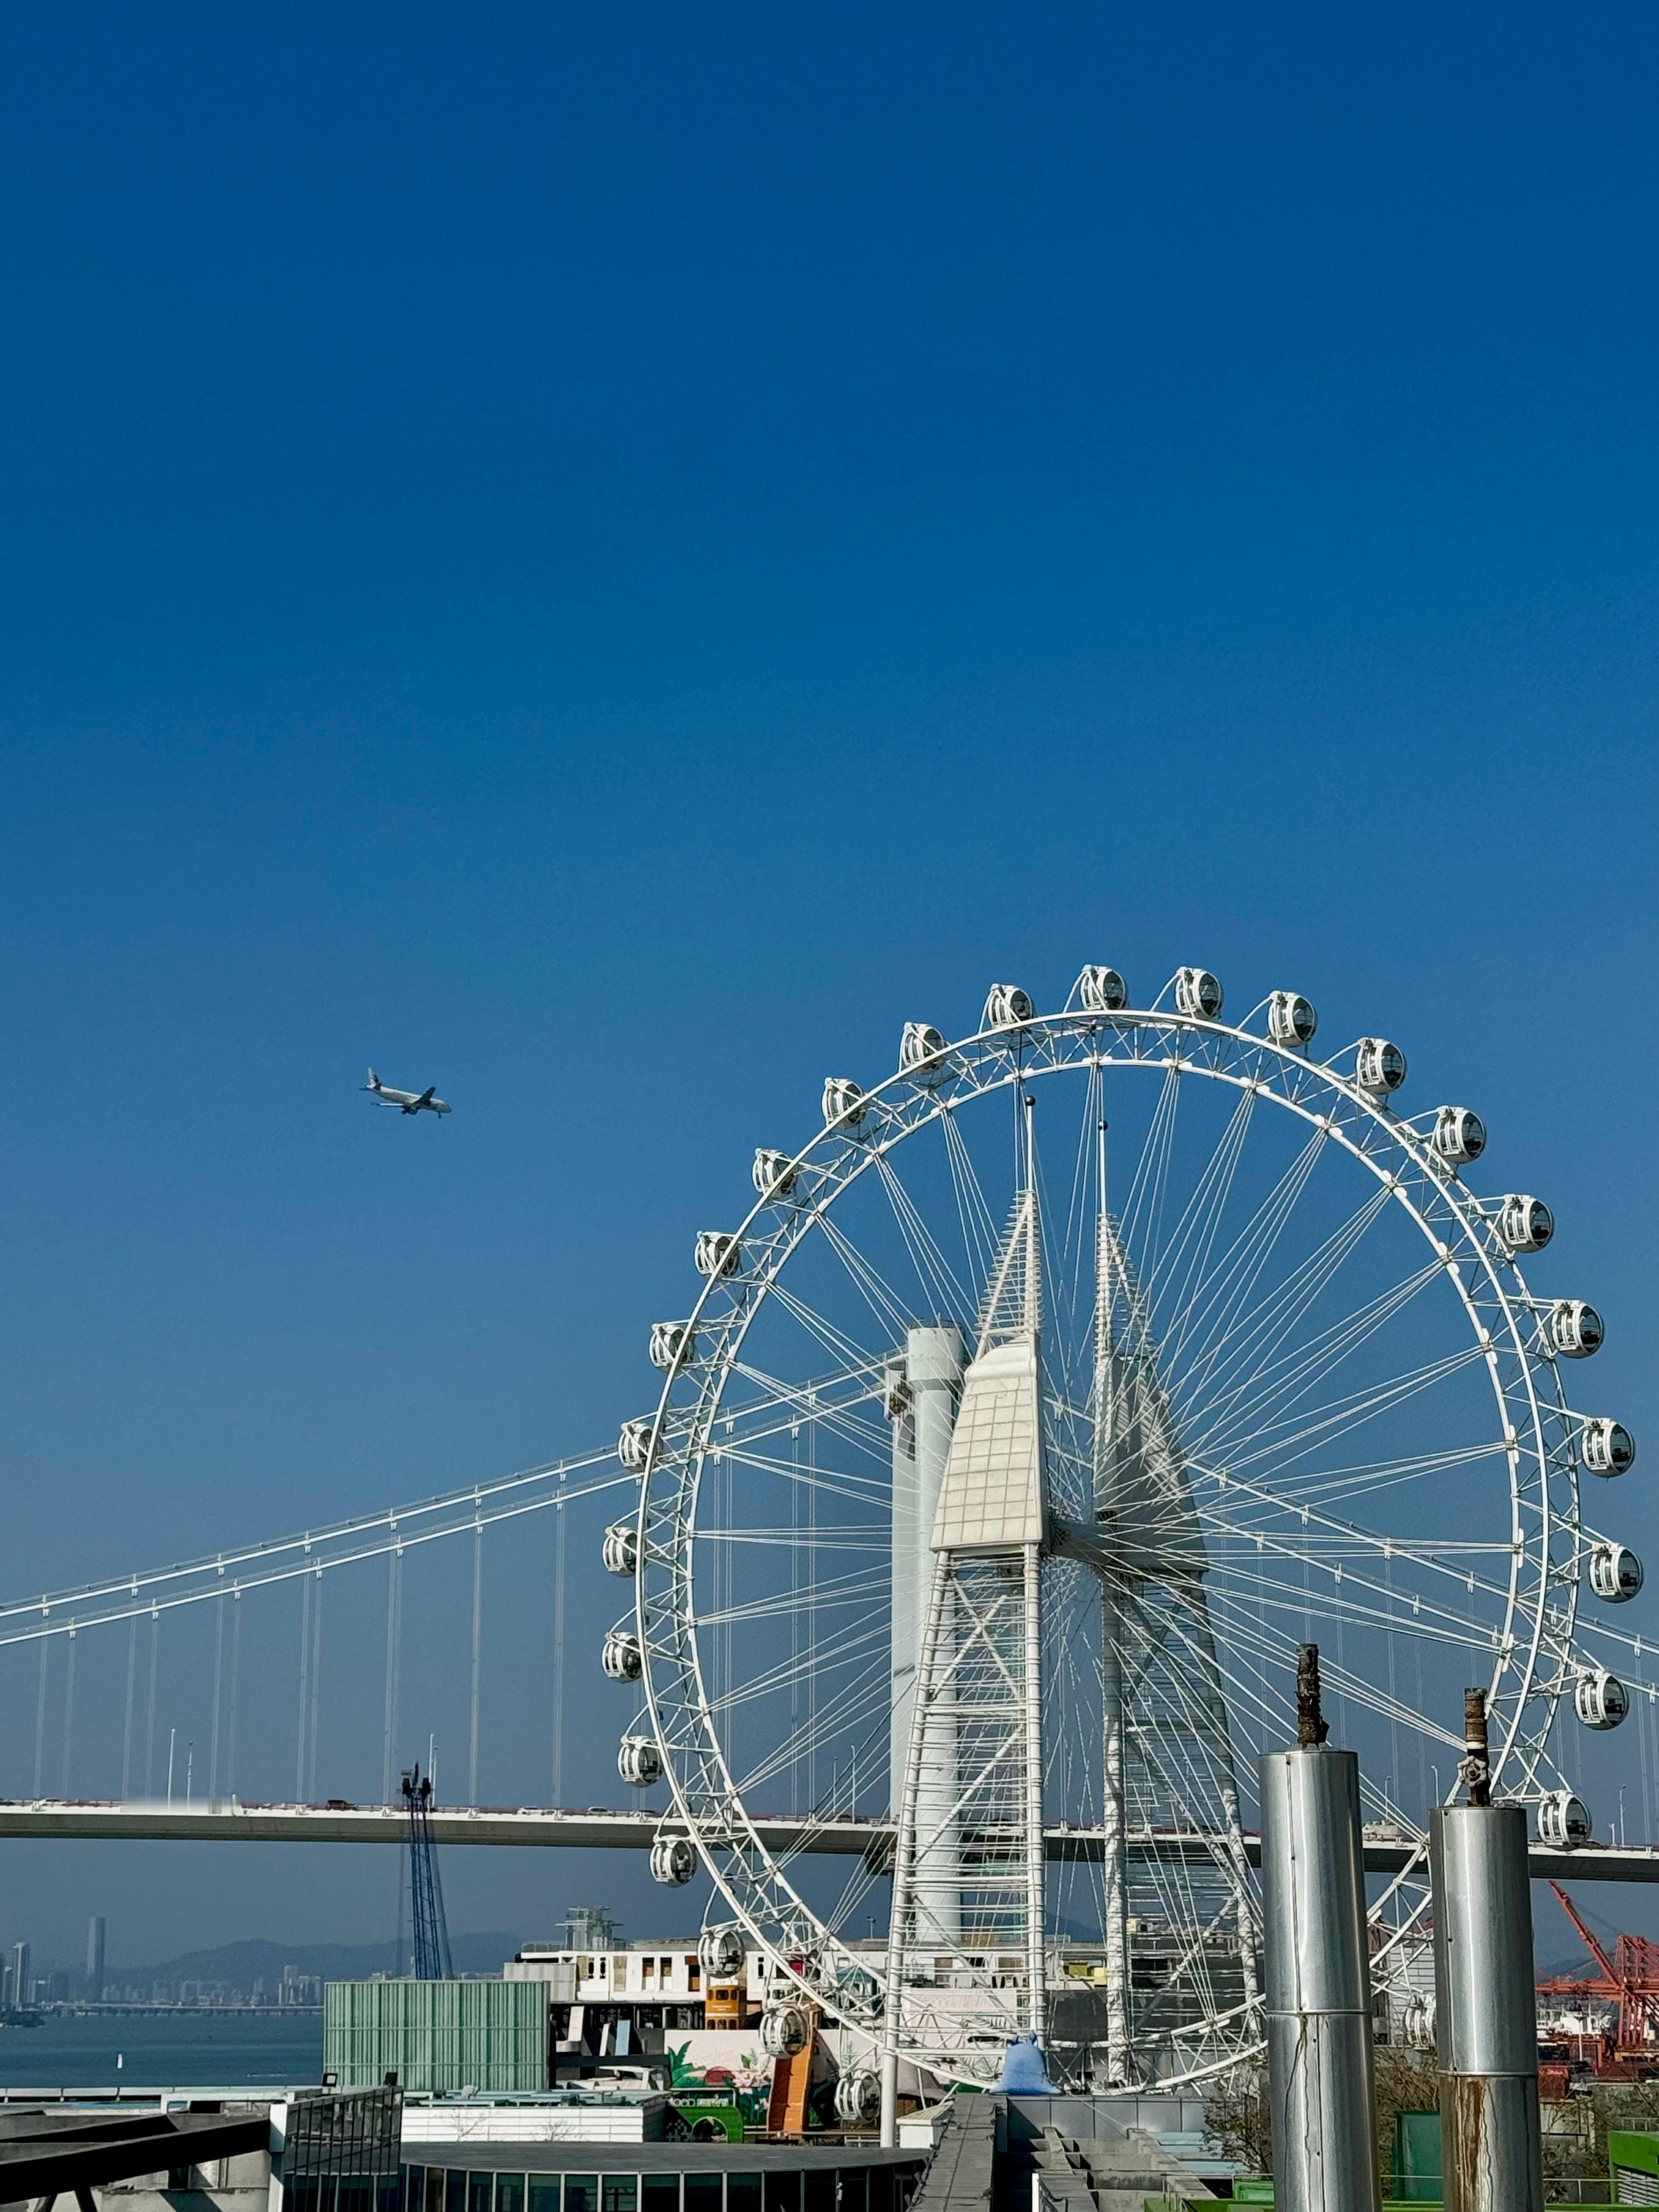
(241, 1965)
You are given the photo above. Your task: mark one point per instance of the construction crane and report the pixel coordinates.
(1629, 1980)
(431, 1960)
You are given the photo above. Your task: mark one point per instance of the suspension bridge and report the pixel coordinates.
(993, 1479)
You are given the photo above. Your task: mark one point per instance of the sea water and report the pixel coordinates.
(200, 2050)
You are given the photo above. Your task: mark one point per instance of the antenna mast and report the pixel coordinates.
(431, 1960)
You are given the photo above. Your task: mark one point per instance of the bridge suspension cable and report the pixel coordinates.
(311, 1554)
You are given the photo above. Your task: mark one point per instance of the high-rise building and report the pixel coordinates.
(95, 1958)
(22, 1987)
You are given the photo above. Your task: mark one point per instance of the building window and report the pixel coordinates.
(703, 2192)
(509, 2192)
(743, 2193)
(582, 2192)
(660, 2192)
(543, 2192)
(619, 2192)
(480, 2192)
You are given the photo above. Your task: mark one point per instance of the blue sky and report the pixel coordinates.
(606, 558)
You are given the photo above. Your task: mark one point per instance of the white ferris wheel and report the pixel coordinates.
(1041, 1404)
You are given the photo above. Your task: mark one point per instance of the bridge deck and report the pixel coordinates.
(232, 1822)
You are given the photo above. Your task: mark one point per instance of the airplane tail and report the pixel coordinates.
(373, 1083)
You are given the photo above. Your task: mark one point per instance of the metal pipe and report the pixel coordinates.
(1319, 2066)
(1486, 2010)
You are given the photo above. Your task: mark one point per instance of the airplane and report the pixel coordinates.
(406, 1102)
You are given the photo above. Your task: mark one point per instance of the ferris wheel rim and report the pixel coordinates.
(999, 1056)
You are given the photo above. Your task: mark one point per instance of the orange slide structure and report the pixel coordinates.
(791, 2079)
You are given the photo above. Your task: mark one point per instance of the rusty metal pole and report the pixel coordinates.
(1319, 2066)
(1486, 2006)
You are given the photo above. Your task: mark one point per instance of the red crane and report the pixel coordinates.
(1630, 1980)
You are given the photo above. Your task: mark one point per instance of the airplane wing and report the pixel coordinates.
(425, 1098)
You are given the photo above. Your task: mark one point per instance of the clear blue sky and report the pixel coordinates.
(606, 557)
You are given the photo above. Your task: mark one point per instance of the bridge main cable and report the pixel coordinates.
(313, 1551)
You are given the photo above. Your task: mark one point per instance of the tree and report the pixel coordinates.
(1237, 2114)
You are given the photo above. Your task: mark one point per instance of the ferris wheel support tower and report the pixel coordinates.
(978, 1878)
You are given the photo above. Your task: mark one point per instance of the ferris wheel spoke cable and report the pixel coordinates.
(1425, 1619)
(1432, 1624)
(1169, 1876)
(979, 1233)
(1248, 1354)
(1229, 1361)
(856, 1379)
(841, 1537)
(835, 1403)
(740, 1443)
(1339, 1417)
(1149, 1168)
(888, 1310)
(1282, 1385)
(1357, 1688)
(826, 1419)
(798, 1748)
(765, 1686)
(1223, 1299)
(1367, 1475)
(1199, 1222)
(833, 1596)
(1229, 1302)
(1427, 1554)
(826, 1483)
(1188, 1297)
(1076, 1239)
(935, 1276)
(834, 1340)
